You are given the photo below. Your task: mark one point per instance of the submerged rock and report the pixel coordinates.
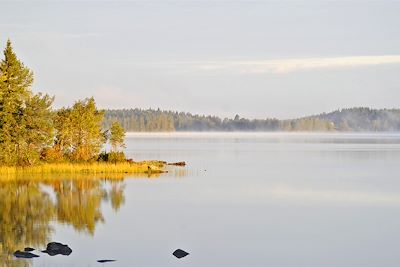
(29, 249)
(103, 261)
(24, 255)
(55, 248)
(179, 253)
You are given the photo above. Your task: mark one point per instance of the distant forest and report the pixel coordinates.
(346, 120)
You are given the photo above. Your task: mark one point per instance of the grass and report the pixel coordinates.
(88, 168)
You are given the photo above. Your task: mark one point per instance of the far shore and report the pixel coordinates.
(253, 133)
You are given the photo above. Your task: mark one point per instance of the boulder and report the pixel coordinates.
(24, 255)
(55, 248)
(179, 253)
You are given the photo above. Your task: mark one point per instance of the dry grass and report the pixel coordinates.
(88, 168)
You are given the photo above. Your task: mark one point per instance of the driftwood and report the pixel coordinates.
(104, 261)
(180, 163)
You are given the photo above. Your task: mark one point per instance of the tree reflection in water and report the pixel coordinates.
(27, 208)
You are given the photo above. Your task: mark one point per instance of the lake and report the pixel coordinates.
(244, 199)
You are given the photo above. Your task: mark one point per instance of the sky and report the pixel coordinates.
(258, 59)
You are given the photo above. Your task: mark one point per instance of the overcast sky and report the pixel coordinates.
(253, 58)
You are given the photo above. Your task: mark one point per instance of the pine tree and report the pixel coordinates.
(15, 83)
(79, 135)
(117, 136)
(64, 133)
(38, 134)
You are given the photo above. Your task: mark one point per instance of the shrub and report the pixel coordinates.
(115, 157)
(51, 155)
(112, 157)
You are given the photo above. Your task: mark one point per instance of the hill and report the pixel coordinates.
(359, 119)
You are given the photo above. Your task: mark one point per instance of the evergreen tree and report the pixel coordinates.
(88, 137)
(79, 134)
(38, 133)
(15, 82)
(117, 136)
(25, 118)
(64, 134)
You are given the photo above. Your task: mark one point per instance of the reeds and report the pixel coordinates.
(89, 168)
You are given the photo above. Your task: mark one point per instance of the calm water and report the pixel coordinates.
(243, 200)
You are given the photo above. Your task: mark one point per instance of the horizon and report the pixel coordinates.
(250, 118)
(257, 59)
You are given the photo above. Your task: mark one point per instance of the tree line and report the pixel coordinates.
(31, 131)
(344, 120)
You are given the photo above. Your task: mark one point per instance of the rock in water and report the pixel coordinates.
(180, 163)
(29, 249)
(179, 253)
(24, 255)
(103, 261)
(55, 248)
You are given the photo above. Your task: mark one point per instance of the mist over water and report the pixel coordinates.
(247, 200)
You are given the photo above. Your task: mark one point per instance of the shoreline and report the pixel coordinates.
(181, 134)
(143, 167)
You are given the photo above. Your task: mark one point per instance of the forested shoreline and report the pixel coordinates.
(360, 119)
(31, 131)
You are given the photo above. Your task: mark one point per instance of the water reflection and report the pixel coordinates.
(29, 205)
(25, 213)
(78, 203)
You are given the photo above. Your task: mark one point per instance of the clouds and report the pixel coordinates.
(253, 58)
(282, 66)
